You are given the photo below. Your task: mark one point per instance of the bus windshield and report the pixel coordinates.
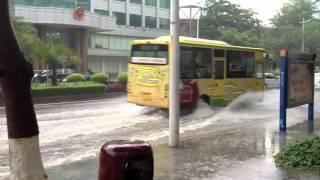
(149, 54)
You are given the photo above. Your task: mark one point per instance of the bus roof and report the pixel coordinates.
(194, 41)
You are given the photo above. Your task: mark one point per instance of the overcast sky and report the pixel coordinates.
(265, 8)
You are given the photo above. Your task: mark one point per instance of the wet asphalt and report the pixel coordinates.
(235, 142)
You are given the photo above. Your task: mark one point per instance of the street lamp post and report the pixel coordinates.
(303, 22)
(191, 7)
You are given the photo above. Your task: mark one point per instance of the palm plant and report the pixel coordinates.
(55, 52)
(27, 36)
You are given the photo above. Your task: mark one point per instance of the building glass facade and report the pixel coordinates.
(85, 4)
(151, 22)
(164, 23)
(101, 12)
(135, 20)
(151, 3)
(136, 1)
(165, 4)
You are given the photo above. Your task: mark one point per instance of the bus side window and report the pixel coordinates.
(195, 63)
(240, 64)
(186, 63)
(203, 63)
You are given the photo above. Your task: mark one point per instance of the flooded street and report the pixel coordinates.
(234, 142)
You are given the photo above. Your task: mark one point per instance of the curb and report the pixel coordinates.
(71, 98)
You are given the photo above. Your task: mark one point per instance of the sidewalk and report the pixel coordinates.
(243, 152)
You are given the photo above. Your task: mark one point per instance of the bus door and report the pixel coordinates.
(219, 76)
(259, 76)
(259, 73)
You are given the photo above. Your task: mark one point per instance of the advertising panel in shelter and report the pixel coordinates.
(300, 79)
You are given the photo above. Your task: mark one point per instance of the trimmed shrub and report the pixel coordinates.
(123, 77)
(75, 77)
(99, 78)
(302, 154)
(65, 89)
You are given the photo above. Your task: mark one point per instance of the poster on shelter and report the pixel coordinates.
(301, 82)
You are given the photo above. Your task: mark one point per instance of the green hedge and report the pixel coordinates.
(123, 77)
(40, 90)
(99, 78)
(302, 154)
(75, 77)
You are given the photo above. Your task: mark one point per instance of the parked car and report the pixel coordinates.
(42, 76)
(271, 81)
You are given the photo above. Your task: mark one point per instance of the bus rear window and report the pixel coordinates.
(149, 54)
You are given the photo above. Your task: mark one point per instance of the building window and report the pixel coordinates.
(195, 63)
(120, 18)
(165, 4)
(240, 64)
(151, 3)
(99, 41)
(121, 42)
(101, 12)
(164, 23)
(136, 1)
(135, 20)
(151, 22)
(121, 0)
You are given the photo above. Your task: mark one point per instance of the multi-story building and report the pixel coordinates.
(99, 30)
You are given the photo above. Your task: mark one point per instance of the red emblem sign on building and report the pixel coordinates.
(78, 14)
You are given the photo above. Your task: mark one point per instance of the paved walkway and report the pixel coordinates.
(244, 152)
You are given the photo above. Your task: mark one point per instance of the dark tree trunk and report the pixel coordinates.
(15, 81)
(54, 75)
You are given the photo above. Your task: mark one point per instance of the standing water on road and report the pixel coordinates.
(73, 132)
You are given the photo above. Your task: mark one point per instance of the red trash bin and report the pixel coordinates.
(126, 160)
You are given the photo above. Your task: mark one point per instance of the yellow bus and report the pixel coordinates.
(213, 71)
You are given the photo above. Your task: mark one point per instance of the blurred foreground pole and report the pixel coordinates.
(174, 97)
(283, 89)
(15, 82)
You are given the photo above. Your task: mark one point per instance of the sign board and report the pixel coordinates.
(149, 60)
(296, 84)
(300, 79)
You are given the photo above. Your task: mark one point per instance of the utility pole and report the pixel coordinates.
(174, 95)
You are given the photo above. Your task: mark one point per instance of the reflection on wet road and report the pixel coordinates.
(235, 142)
